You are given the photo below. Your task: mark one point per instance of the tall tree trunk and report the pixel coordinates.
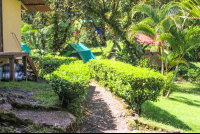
(162, 64)
(176, 70)
(55, 46)
(103, 36)
(43, 41)
(163, 93)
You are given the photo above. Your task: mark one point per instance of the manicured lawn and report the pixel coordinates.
(97, 51)
(42, 91)
(180, 111)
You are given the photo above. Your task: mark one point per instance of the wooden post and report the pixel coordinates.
(25, 66)
(1, 27)
(12, 69)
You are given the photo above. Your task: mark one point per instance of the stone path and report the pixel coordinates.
(17, 111)
(104, 114)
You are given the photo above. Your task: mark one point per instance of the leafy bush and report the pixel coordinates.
(183, 70)
(145, 63)
(131, 53)
(134, 84)
(70, 83)
(192, 55)
(49, 63)
(107, 51)
(168, 81)
(193, 74)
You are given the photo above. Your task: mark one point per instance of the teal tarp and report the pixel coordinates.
(25, 48)
(83, 51)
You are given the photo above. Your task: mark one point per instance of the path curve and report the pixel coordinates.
(103, 112)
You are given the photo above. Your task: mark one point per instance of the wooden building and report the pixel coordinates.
(10, 28)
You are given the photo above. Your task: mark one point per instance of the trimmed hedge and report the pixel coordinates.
(134, 84)
(47, 64)
(70, 83)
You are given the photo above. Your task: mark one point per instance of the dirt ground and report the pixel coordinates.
(103, 112)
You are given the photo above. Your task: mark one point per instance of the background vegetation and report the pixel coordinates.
(107, 24)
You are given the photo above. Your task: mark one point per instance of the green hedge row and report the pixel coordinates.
(134, 84)
(70, 83)
(47, 64)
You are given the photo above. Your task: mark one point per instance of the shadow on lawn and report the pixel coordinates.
(185, 100)
(97, 53)
(99, 117)
(191, 90)
(157, 114)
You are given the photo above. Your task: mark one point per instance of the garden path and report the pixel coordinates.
(103, 112)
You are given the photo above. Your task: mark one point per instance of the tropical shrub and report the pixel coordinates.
(183, 70)
(134, 84)
(168, 80)
(192, 55)
(131, 53)
(107, 51)
(193, 74)
(145, 63)
(49, 63)
(70, 83)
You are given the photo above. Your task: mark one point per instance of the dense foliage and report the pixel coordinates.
(107, 52)
(70, 83)
(191, 74)
(128, 53)
(134, 84)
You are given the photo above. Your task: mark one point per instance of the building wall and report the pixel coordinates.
(153, 57)
(11, 10)
(11, 24)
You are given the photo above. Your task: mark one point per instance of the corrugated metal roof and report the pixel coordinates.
(145, 39)
(35, 5)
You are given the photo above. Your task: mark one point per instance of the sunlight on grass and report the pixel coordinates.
(179, 111)
(42, 91)
(187, 87)
(97, 51)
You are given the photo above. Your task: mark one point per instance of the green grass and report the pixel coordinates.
(97, 51)
(42, 91)
(179, 111)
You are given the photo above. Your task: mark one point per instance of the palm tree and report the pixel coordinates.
(159, 21)
(170, 59)
(181, 42)
(193, 6)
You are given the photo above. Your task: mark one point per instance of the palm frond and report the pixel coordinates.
(146, 9)
(193, 6)
(162, 58)
(166, 24)
(140, 29)
(192, 39)
(172, 9)
(148, 21)
(176, 61)
(170, 39)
